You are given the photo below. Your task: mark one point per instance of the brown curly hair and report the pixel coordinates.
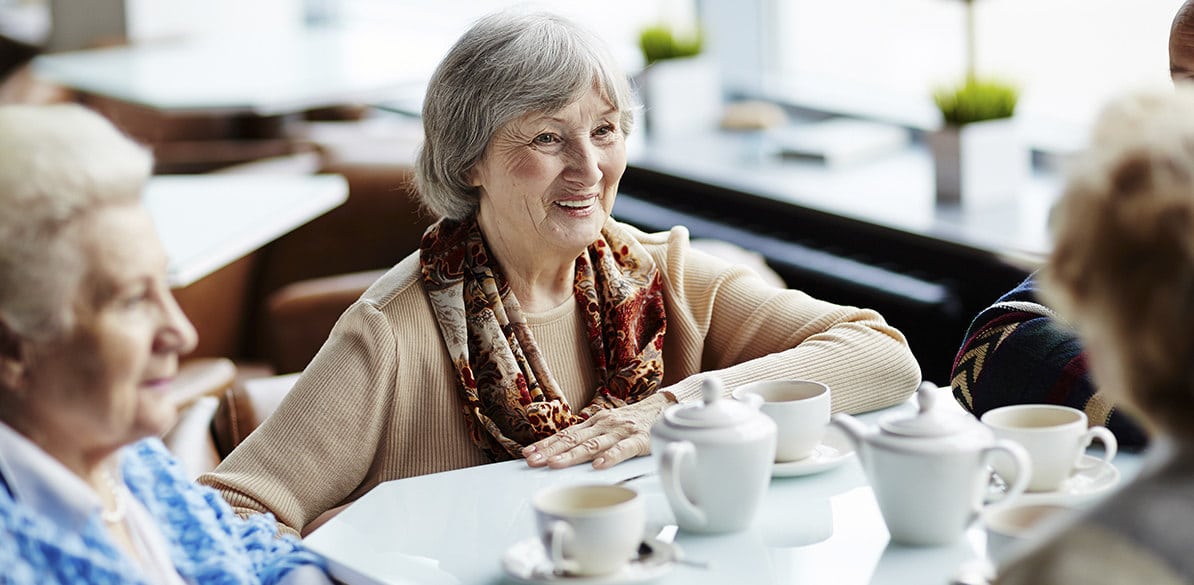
(1122, 268)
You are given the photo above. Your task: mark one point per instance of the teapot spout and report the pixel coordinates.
(852, 428)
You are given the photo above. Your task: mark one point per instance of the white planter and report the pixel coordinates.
(680, 96)
(979, 164)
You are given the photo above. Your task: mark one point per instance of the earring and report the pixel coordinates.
(12, 374)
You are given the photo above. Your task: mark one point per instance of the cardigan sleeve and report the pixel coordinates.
(1017, 352)
(300, 462)
(745, 330)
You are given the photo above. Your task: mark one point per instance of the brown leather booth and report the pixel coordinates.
(300, 315)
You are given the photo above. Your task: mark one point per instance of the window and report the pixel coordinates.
(885, 56)
(617, 21)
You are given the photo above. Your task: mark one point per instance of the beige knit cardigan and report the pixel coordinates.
(379, 401)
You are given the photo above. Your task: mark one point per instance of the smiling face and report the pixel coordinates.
(102, 383)
(548, 181)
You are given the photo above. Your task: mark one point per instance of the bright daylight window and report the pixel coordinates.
(874, 58)
(618, 21)
(885, 56)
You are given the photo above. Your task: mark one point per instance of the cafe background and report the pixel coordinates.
(858, 227)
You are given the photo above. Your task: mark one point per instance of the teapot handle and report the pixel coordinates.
(1021, 463)
(669, 476)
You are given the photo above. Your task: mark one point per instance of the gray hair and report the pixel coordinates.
(505, 66)
(60, 163)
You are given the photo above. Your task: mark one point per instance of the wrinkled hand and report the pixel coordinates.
(609, 437)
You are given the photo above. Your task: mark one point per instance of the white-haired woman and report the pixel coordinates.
(530, 324)
(1122, 271)
(90, 338)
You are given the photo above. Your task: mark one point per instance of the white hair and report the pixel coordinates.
(59, 163)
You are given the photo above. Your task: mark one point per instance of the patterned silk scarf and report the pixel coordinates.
(510, 399)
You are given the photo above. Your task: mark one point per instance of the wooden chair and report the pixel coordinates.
(210, 427)
(243, 408)
(199, 377)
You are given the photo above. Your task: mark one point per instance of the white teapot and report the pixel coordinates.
(930, 471)
(714, 459)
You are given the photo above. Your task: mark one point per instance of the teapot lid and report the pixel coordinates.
(714, 410)
(928, 421)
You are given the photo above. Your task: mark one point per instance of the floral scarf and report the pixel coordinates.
(510, 399)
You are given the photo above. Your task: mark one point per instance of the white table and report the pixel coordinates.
(454, 527)
(270, 73)
(207, 221)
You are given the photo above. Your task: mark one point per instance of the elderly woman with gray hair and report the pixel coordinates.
(90, 338)
(530, 324)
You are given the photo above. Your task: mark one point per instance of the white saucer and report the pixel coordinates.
(832, 451)
(527, 562)
(1092, 478)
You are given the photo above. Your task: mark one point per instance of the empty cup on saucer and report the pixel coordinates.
(1055, 437)
(800, 409)
(1016, 526)
(589, 529)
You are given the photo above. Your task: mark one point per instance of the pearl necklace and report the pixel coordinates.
(116, 514)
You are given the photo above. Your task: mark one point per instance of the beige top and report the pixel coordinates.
(379, 401)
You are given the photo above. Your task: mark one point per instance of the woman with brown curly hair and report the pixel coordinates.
(1122, 271)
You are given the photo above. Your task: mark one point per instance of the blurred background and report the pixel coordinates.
(737, 152)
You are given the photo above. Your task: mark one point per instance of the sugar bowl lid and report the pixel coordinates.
(929, 420)
(714, 409)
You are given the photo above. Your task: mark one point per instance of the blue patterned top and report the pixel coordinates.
(209, 543)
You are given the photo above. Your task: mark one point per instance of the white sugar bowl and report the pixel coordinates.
(715, 459)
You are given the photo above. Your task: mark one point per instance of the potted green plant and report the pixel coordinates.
(659, 42)
(680, 86)
(978, 155)
(976, 100)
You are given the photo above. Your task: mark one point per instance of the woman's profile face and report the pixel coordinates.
(549, 179)
(104, 381)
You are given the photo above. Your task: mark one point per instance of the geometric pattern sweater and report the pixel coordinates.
(207, 541)
(1017, 352)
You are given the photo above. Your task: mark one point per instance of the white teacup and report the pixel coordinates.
(800, 409)
(1055, 437)
(590, 529)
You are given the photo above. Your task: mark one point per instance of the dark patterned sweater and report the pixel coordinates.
(1017, 352)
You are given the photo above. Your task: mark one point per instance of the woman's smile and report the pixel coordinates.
(578, 206)
(159, 385)
(548, 181)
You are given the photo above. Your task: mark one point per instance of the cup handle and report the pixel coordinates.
(557, 534)
(1020, 461)
(669, 477)
(1102, 435)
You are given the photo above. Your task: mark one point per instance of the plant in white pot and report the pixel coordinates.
(979, 155)
(680, 87)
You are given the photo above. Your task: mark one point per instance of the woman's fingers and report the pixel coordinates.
(630, 447)
(576, 444)
(585, 450)
(537, 455)
(606, 439)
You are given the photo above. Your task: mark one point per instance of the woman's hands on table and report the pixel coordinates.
(609, 437)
